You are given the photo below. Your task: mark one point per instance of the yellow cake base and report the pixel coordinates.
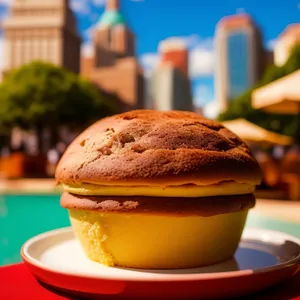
(157, 242)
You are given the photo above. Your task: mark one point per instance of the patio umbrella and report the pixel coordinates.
(252, 133)
(281, 96)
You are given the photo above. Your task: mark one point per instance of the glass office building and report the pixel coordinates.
(238, 59)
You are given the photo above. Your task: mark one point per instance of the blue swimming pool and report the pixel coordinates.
(24, 216)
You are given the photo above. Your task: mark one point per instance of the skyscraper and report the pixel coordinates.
(170, 85)
(239, 57)
(41, 30)
(113, 66)
(286, 41)
(174, 52)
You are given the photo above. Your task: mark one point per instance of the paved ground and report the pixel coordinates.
(36, 186)
(284, 210)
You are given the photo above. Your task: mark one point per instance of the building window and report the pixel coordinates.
(18, 53)
(27, 50)
(238, 60)
(44, 49)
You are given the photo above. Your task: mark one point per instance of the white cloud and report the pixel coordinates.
(190, 40)
(201, 62)
(271, 44)
(193, 40)
(88, 33)
(206, 43)
(80, 6)
(201, 58)
(99, 3)
(149, 61)
(202, 95)
(5, 2)
(211, 110)
(240, 10)
(85, 7)
(87, 49)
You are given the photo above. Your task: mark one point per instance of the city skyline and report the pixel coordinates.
(153, 21)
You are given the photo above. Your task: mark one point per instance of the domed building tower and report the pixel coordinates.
(114, 66)
(112, 39)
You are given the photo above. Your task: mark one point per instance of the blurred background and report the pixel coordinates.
(65, 64)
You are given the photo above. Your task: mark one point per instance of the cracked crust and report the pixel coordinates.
(146, 147)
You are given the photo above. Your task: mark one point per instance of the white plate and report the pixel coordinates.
(264, 257)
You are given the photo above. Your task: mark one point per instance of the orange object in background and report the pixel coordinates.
(270, 169)
(18, 165)
(290, 168)
(12, 166)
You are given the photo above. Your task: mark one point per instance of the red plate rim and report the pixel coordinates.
(293, 263)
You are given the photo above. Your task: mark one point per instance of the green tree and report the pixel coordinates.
(241, 107)
(40, 95)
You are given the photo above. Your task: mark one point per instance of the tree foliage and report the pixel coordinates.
(242, 106)
(42, 95)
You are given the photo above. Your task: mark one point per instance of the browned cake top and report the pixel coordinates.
(147, 147)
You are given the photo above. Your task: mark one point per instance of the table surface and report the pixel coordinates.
(18, 283)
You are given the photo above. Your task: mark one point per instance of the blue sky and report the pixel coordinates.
(193, 21)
